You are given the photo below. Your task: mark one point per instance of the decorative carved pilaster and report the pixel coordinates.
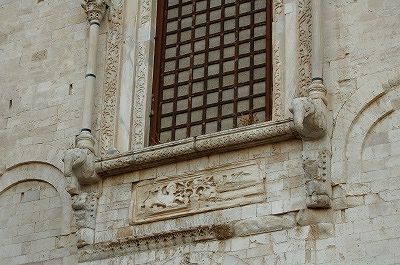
(111, 79)
(305, 47)
(95, 9)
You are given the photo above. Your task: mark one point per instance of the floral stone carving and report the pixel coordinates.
(197, 193)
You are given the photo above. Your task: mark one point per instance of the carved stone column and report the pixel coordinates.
(79, 167)
(313, 124)
(95, 10)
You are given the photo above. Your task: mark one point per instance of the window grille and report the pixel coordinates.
(212, 68)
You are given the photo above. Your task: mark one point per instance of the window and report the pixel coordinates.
(212, 68)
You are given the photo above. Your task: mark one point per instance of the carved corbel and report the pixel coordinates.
(310, 116)
(85, 208)
(79, 169)
(79, 166)
(310, 113)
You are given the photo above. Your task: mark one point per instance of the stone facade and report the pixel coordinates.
(317, 185)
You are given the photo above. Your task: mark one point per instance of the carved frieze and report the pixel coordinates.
(205, 191)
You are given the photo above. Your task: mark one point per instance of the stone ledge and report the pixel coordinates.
(105, 250)
(194, 147)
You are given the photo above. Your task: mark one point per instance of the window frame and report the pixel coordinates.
(160, 33)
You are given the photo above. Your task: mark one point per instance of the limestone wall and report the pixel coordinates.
(252, 204)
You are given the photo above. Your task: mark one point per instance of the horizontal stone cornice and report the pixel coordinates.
(194, 147)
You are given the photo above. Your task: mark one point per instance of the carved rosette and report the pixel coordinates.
(95, 9)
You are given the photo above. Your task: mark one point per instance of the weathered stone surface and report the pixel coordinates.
(264, 224)
(43, 46)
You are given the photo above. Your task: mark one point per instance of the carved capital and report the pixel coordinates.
(310, 117)
(95, 9)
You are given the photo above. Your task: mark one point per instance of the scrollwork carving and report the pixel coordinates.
(110, 90)
(304, 52)
(175, 194)
(205, 192)
(277, 83)
(278, 7)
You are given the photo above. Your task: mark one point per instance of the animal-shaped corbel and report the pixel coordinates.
(310, 117)
(79, 165)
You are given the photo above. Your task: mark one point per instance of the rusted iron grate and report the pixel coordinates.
(213, 67)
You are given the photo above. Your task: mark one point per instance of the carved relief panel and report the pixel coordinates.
(204, 191)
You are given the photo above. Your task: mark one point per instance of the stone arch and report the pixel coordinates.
(46, 173)
(358, 116)
(43, 153)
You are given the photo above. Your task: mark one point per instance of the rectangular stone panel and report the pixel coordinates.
(203, 191)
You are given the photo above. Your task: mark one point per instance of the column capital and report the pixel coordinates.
(95, 9)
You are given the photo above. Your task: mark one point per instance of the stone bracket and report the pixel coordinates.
(310, 116)
(85, 209)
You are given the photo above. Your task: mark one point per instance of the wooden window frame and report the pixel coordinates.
(161, 31)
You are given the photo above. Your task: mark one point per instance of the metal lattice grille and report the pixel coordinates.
(213, 67)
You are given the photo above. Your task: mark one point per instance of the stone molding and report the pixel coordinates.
(193, 147)
(127, 246)
(165, 239)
